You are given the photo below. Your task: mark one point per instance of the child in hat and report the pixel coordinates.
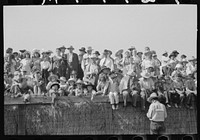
(79, 88)
(135, 90)
(63, 86)
(90, 90)
(147, 87)
(102, 85)
(54, 91)
(52, 79)
(45, 68)
(114, 91)
(71, 87)
(39, 86)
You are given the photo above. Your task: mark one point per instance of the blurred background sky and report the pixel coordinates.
(161, 27)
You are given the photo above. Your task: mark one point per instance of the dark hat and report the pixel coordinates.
(63, 47)
(172, 54)
(105, 51)
(15, 53)
(71, 47)
(183, 56)
(103, 68)
(9, 50)
(82, 49)
(97, 52)
(139, 53)
(89, 48)
(175, 52)
(165, 53)
(131, 48)
(55, 83)
(22, 51)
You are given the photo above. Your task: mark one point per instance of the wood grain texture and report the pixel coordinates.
(81, 116)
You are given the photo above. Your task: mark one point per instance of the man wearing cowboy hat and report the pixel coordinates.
(80, 57)
(86, 58)
(97, 54)
(157, 114)
(62, 50)
(147, 86)
(72, 59)
(164, 62)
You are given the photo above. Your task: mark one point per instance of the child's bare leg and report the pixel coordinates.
(35, 90)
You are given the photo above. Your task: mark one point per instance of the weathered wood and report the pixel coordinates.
(86, 117)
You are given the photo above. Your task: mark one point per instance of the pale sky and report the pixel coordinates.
(114, 27)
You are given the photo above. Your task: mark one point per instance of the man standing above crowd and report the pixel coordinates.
(72, 59)
(86, 58)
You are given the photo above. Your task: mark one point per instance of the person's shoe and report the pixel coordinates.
(191, 107)
(176, 106)
(117, 107)
(113, 107)
(168, 105)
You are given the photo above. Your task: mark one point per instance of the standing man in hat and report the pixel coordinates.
(86, 58)
(22, 53)
(72, 59)
(164, 62)
(157, 114)
(80, 56)
(97, 54)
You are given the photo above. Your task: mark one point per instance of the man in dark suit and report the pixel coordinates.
(72, 59)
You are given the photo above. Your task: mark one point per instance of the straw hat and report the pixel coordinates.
(71, 80)
(152, 96)
(97, 52)
(119, 52)
(70, 48)
(35, 51)
(89, 48)
(63, 47)
(145, 74)
(79, 81)
(55, 83)
(52, 76)
(16, 53)
(62, 79)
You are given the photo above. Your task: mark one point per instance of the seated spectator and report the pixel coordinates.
(147, 87)
(54, 91)
(180, 89)
(190, 92)
(114, 91)
(90, 90)
(7, 82)
(63, 86)
(134, 90)
(168, 89)
(39, 86)
(51, 79)
(124, 86)
(79, 88)
(71, 87)
(102, 86)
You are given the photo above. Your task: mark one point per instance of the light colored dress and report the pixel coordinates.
(26, 65)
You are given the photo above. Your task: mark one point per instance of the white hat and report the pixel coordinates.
(178, 66)
(152, 96)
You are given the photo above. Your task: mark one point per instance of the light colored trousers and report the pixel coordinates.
(114, 97)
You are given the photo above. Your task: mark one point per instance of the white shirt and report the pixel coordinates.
(45, 64)
(164, 61)
(70, 57)
(108, 62)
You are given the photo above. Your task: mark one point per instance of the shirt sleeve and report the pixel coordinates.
(150, 111)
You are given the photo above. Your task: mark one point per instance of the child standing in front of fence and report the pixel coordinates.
(114, 91)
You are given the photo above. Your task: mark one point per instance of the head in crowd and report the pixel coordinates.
(93, 59)
(36, 53)
(9, 51)
(153, 97)
(73, 74)
(55, 86)
(127, 54)
(82, 51)
(53, 78)
(79, 84)
(58, 52)
(62, 80)
(71, 82)
(139, 54)
(90, 87)
(165, 54)
(176, 53)
(172, 56)
(16, 54)
(119, 54)
(62, 49)
(89, 50)
(97, 54)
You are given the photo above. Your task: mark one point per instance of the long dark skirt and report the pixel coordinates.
(80, 73)
(45, 75)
